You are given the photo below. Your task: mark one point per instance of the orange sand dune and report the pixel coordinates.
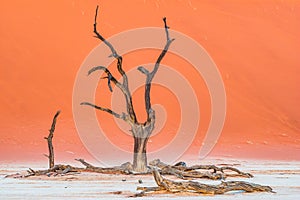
(253, 43)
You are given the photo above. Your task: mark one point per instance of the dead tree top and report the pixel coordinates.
(130, 116)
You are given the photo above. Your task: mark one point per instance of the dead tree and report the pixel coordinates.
(141, 131)
(49, 141)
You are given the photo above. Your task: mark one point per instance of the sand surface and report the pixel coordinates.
(283, 177)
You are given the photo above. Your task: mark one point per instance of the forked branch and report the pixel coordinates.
(125, 89)
(112, 49)
(110, 77)
(150, 75)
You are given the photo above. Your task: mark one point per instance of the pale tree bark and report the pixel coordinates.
(141, 134)
(140, 131)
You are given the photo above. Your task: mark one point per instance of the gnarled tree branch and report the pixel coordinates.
(126, 92)
(110, 77)
(113, 51)
(150, 75)
(120, 116)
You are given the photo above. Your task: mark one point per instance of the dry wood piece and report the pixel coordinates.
(54, 171)
(169, 186)
(49, 140)
(207, 171)
(125, 168)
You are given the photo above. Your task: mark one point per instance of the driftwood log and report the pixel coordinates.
(168, 186)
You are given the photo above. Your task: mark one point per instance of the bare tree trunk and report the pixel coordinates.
(140, 154)
(141, 134)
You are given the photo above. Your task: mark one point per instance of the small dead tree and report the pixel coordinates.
(141, 131)
(49, 141)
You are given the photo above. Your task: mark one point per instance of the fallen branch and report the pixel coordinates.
(169, 186)
(180, 170)
(125, 168)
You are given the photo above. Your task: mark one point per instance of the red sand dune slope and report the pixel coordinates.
(254, 44)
